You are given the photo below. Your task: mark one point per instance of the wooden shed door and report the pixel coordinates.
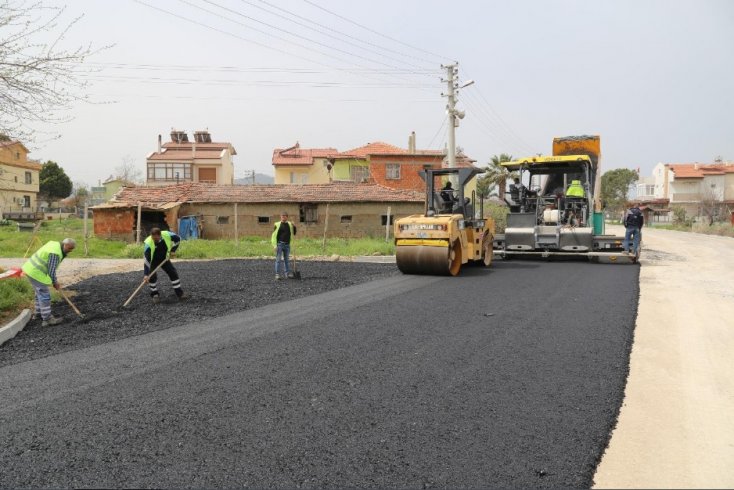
(208, 175)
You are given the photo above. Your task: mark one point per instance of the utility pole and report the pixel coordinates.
(452, 84)
(452, 72)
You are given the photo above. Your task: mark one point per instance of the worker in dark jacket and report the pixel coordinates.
(283, 231)
(633, 221)
(161, 246)
(41, 271)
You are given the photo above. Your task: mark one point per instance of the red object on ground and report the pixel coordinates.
(12, 272)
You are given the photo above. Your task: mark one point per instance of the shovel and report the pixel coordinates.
(296, 272)
(73, 307)
(143, 284)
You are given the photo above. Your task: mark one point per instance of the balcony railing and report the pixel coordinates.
(685, 197)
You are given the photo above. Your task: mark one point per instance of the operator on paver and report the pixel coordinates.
(41, 271)
(575, 189)
(161, 246)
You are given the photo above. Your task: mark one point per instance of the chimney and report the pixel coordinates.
(411, 143)
(160, 143)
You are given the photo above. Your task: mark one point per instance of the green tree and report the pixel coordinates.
(496, 174)
(615, 185)
(54, 183)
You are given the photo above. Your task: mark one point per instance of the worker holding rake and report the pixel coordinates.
(160, 247)
(41, 271)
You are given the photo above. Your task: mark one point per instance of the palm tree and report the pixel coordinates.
(496, 174)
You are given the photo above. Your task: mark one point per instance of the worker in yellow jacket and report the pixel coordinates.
(41, 271)
(575, 189)
(283, 231)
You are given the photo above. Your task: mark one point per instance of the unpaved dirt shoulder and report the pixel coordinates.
(675, 428)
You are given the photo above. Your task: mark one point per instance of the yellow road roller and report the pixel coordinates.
(448, 234)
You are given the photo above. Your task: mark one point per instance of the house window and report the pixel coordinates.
(26, 201)
(307, 213)
(359, 173)
(384, 219)
(169, 171)
(346, 219)
(222, 220)
(263, 220)
(17, 155)
(28, 178)
(208, 175)
(392, 171)
(304, 179)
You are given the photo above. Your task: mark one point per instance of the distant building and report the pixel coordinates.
(694, 186)
(296, 165)
(181, 161)
(19, 178)
(340, 209)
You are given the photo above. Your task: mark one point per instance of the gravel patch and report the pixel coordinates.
(216, 287)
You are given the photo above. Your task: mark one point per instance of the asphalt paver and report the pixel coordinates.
(510, 376)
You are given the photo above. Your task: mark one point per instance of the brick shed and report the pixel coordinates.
(343, 209)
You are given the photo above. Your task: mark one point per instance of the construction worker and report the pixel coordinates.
(161, 246)
(283, 231)
(575, 189)
(447, 195)
(41, 271)
(633, 221)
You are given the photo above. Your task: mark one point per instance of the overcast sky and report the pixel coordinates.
(652, 78)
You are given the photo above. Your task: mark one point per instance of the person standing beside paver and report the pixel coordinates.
(633, 221)
(41, 271)
(283, 231)
(161, 246)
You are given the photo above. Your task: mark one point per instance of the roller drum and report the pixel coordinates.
(422, 259)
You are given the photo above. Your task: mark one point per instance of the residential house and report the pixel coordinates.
(339, 209)
(296, 165)
(19, 178)
(182, 161)
(698, 188)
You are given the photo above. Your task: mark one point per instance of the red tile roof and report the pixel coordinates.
(197, 192)
(186, 155)
(296, 155)
(700, 170)
(185, 151)
(376, 148)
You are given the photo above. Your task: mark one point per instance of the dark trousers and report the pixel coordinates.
(169, 269)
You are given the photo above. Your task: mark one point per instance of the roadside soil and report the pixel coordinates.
(675, 426)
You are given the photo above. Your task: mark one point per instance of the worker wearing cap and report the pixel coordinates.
(161, 246)
(41, 271)
(283, 231)
(575, 189)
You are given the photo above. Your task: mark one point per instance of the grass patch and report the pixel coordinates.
(15, 243)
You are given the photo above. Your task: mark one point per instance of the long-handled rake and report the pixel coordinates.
(143, 284)
(73, 306)
(296, 272)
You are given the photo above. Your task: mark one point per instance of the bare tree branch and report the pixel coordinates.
(38, 76)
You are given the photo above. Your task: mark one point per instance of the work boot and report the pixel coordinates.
(156, 299)
(183, 296)
(52, 320)
(277, 277)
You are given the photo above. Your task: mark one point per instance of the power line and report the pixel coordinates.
(438, 56)
(327, 31)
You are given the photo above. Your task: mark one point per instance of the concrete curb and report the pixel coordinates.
(10, 330)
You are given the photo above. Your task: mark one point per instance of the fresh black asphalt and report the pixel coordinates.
(510, 376)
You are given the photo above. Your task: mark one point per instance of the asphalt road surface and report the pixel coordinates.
(504, 377)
